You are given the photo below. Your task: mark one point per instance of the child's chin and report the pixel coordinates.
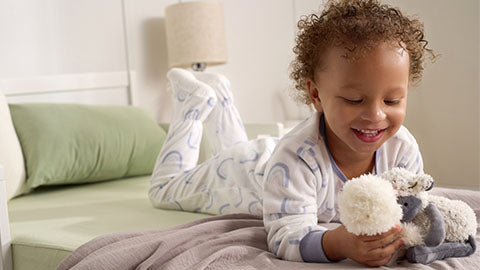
(368, 148)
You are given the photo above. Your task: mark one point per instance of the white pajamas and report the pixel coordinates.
(303, 181)
(292, 182)
(229, 182)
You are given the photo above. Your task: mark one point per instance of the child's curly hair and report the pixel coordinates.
(358, 26)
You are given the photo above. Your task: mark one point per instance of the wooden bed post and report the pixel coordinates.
(5, 247)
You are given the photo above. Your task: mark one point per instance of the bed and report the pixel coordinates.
(64, 218)
(42, 228)
(46, 225)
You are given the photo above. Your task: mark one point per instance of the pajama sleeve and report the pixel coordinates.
(409, 156)
(290, 205)
(415, 162)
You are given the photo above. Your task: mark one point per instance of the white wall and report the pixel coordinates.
(260, 37)
(69, 36)
(42, 37)
(444, 110)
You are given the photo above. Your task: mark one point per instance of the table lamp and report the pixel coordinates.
(195, 34)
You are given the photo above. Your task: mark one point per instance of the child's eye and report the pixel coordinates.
(392, 102)
(353, 101)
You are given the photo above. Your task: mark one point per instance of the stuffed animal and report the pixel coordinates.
(434, 227)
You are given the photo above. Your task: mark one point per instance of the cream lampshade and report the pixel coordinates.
(195, 34)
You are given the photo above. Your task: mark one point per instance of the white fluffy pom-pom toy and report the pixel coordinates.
(368, 205)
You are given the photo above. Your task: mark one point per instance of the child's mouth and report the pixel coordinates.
(368, 135)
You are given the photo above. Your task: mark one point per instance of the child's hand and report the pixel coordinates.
(374, 250)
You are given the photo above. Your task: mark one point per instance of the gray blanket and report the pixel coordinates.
(230, 242)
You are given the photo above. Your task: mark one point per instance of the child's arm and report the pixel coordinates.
(374, 250)
(290, 205)
(293, 193)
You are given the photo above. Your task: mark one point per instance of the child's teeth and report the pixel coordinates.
(369, 132)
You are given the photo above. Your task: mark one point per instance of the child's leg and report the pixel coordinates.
(193, 100)
(224, 126)
(229, 182)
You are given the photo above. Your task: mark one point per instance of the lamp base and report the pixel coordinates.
(199, 66)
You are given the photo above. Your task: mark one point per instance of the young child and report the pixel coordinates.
(354, 64)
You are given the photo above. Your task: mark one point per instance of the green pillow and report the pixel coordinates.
(72, 143)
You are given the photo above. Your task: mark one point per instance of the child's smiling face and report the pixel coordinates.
(364, 100)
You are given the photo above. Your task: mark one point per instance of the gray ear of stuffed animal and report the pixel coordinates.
(426, 180)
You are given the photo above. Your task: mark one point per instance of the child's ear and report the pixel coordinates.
(312, 90)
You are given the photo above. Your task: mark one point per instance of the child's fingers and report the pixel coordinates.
(382, 242)
(381, 256)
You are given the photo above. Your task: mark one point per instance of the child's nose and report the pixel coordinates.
(374, 112)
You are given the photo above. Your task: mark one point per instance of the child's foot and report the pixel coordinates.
(192, 95)
(224, 127)
(186, 82)
(219, 83)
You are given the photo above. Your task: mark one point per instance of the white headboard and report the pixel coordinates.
(113, 88)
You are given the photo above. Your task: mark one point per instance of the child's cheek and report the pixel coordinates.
(397, 114)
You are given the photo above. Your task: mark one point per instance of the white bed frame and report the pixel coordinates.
(6, 258)
(113, 88)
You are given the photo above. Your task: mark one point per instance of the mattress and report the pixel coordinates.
(47, 225)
